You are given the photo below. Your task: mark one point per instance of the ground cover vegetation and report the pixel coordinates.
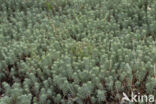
(76, 51)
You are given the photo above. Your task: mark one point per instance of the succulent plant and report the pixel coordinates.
(76, 51)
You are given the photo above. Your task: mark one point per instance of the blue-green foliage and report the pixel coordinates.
(76, 51)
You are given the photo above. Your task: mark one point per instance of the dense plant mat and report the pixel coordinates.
(76, 51)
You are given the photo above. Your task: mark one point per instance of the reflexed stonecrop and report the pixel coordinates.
(76, 51)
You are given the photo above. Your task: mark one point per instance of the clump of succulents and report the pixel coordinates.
(76, 51)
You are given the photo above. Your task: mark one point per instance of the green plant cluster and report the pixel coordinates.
(76, 51)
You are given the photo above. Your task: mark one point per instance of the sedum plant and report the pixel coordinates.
(76, 51)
